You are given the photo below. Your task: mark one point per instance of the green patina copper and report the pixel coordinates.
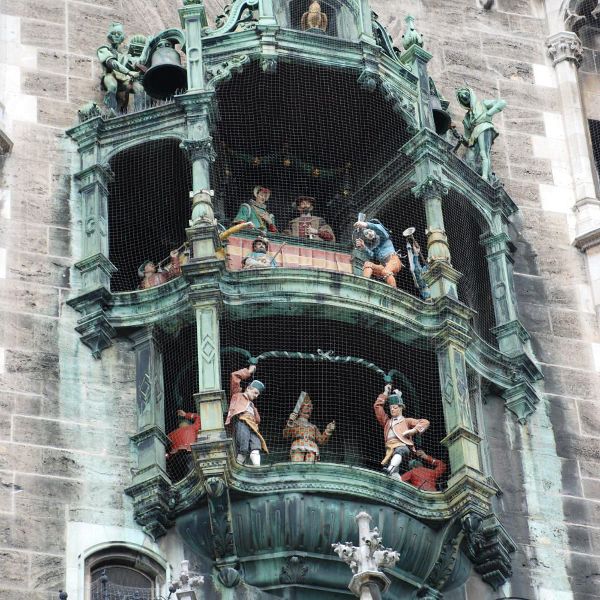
(254, 516)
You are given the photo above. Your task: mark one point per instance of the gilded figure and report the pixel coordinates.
(314, 18)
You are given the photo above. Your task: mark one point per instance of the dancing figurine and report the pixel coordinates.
(306, 436)
(424, 477)
(245, 417)
(185, 435)
(398, 430)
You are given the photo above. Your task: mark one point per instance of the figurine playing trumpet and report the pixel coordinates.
(305, 436)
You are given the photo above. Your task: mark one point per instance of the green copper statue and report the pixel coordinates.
(479, 129)
(119, 78)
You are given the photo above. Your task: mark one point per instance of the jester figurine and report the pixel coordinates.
(305, 436)
(424, 477)
(256, 211)
(186, 433)
(377, 244)
(245, 417)
(480, 132)
(398, 430)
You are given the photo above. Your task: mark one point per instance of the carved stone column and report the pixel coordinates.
(151, 485)
(461, 440)
(566, 52)
(201, 154)
(416, 58)
(95, 268)
(441, 277)
(193, 20)
(512, 337)
(266, 13)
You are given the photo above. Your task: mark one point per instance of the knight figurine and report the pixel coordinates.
(259, 257)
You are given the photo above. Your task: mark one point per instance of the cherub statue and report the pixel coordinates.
(479, 132)
(314, 18)
(119, 78)
(306, 437)
(398, 430)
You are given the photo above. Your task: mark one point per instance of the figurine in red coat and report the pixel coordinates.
(245, 416)
(398, 430)
(185, 435)
(422, 477)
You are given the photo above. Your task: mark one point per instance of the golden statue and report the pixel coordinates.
(314, 18)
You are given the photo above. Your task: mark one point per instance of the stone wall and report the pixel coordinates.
(65, 418)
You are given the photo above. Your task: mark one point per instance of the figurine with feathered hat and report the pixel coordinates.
(398, 430)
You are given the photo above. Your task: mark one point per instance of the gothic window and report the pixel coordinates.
(121, 572)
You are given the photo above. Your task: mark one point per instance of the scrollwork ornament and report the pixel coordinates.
(199, 149)
(294, 570)
(565, 45)
(430, 188)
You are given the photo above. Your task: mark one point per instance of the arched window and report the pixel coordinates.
(123, 572)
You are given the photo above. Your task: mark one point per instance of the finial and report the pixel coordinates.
(411, 35)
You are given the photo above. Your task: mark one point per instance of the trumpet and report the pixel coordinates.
(182, 249)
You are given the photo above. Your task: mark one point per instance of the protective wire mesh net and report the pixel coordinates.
(299, 131)
(148, 209)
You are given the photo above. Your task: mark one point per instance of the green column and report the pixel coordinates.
(266, 13)
(441, 277)
(511, 335)
(193, 20)
(95, 266)
(150, 439)
(151, 487)
(461, 440)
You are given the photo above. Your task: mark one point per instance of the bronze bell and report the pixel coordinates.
(441, 117)
(165, 76)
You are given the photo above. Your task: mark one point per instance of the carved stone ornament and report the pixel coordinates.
(294, 570)
(564, 46)
(225, 70)
(199, 149)
(202, 209)
(430, 188)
